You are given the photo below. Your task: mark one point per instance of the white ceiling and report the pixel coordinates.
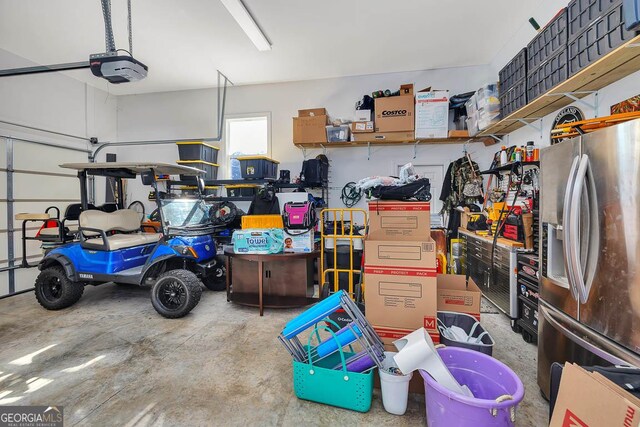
(184, 42)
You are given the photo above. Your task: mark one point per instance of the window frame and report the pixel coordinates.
(228, 118)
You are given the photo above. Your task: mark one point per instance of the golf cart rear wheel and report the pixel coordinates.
(55, 291)
(217, 281)
(175, 293)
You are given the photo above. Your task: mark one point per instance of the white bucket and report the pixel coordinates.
(395, 388)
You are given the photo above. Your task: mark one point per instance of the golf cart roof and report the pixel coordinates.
(116, 168)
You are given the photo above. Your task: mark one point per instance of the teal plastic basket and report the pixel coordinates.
(318, 382)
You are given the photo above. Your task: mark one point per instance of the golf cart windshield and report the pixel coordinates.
(185, 213)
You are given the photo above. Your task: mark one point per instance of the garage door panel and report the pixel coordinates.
(25, 278)
(3, 153)
(4, 283)
(27, 186)
(3, 220)
(46, 159)
(3, 183)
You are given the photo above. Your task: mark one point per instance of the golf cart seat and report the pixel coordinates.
(104, 231)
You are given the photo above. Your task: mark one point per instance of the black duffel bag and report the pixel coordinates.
(419, 190)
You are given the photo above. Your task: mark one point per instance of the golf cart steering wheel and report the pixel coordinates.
(138, 206)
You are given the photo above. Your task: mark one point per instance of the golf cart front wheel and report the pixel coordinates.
(175, 293)
(55, 291)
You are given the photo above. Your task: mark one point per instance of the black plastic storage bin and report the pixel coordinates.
(598, 39)
(514, 71)
(197, 150)
(581, 13)
(551, 39)
(242, 190)
(258, 167)
(192, 190)
(514, 98)
(528, 319)
(548, 75)
(466, 322)
(343, 264)
(211, 170)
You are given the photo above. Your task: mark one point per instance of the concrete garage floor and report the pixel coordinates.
(111, 360)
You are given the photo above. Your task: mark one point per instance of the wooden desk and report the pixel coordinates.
(282, 279)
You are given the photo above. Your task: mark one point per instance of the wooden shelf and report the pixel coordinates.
(610, 68)
(485, 140)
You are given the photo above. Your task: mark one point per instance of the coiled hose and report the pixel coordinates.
(351, 194)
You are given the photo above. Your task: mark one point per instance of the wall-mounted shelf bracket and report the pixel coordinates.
(324, 149)
(496, 138)
(415, 149)
(368, 151)
(304, 153)
(579, 100)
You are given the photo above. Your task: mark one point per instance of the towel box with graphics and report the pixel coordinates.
(258, 241)
(401, 290)
(395, 220)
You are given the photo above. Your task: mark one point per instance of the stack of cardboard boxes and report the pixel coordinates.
(400, 270)
(403, 291)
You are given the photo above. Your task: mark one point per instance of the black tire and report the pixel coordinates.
(55, 291)
(175, 293)
(515, 327)
(527, 337)
(325, 291)
(357, 292)
(217, 281)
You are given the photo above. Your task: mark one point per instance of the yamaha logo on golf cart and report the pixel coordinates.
(394, 113)
(85, 276)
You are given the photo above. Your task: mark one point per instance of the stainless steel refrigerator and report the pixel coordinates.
(589, 310)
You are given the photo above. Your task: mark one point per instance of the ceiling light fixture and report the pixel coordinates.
(238, 10)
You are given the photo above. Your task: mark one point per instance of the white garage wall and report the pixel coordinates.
(187, 114)
(52, 101)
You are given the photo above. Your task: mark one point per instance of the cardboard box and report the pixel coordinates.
(432, 114)
(385, 137)
(297, 242)
(458, 295)
(392, 220)
(312, 112)
(401, 291)
(394, 114)
(406, 89)
(362, 116)
(309, 129)
(362, 127)
(590, 400)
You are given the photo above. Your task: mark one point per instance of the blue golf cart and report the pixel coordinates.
(111, 247)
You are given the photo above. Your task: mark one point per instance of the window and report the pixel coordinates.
(246, 136)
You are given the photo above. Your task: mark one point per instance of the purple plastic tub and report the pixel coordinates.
(497, 391)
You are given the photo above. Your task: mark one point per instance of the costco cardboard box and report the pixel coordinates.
(394, 220)
(385, 137)
(432, 114)
(458, 295)
(309, 129)
(588, 399)
(395, 114)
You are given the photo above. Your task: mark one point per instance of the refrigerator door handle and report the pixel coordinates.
(565, 327)
(566, 214)
(574, 230)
